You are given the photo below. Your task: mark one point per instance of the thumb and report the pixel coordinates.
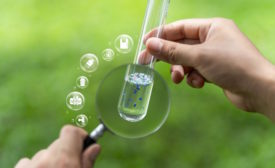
(172, 52)
(89, 156)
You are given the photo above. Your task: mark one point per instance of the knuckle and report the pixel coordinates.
(172, 26)
(171, 53)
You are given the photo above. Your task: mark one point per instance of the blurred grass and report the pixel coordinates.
(41, 43)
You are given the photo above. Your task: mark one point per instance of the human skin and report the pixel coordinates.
(215, 50)
(64, 152)
(212, 50)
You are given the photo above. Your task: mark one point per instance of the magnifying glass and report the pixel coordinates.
(107, 106)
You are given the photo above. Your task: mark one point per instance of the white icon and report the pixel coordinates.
(90, 62)
(76, 101)
(108, 54)
(81, 119)
(82, 82)
(124, 43)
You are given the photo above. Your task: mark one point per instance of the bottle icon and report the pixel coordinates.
(82, 82)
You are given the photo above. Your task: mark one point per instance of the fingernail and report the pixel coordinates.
(196, 83)
(155, 45)
(96, 151)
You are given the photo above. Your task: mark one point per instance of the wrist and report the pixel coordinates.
(262, 95)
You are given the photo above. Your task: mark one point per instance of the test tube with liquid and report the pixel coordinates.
(139, 78)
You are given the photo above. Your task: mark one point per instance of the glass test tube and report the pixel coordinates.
(135, 95)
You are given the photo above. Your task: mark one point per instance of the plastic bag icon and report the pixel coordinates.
(124, 43)
(82, 82)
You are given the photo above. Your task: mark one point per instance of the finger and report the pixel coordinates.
(72, 138)
(188, 41)
(39, 154)
(145, 58)
(172, 52)
(89, 156)
(177, 73)
(23, 163)
(195, 80)
(195, 29)
(70, 141)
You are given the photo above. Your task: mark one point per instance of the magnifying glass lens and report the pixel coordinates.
(121, 100)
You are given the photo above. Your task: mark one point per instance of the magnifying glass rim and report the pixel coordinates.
(138, 136)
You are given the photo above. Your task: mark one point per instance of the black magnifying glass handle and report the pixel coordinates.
(94, 136)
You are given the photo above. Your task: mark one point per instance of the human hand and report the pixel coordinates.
(215, 50)
(66, 151)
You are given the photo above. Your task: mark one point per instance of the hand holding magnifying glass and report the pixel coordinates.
(107, 99)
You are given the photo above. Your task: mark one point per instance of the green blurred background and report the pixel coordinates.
(41, 43)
